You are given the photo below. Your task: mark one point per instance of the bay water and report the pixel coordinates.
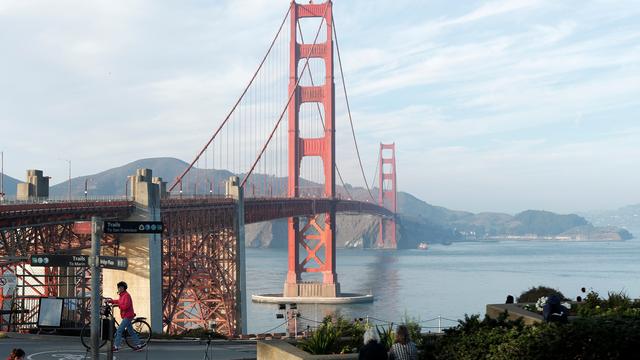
(439, 285)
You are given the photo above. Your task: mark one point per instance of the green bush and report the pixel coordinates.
(352, 334)
(386, 335)
(501, 339)
(335, 335)
(323, 340)
(533, 294)
(415, 330)
(617, 304)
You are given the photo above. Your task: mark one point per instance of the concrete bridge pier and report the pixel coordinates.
(236, 192)
(144, 275)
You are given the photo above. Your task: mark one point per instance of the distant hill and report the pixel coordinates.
(112, 181)
(627, 217)
(528, 224)
(546, 223)
(10, 185)
(418, 221)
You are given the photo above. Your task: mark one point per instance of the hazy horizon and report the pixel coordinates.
(493, 105)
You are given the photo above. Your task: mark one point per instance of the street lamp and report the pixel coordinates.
(210, 187)
(86, 188)
(69, 184)
(1, 175)
(69, 179)
(291, 314)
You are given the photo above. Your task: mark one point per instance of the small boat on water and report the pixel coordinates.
(423, 246)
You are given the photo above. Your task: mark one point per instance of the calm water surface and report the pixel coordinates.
(449, 281)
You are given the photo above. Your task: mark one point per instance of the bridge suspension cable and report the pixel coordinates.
(237, 146)
(292, 93)
(346, 96)
(226, 119)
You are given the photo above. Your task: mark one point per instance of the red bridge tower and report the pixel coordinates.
(314, 235)
(387, 195)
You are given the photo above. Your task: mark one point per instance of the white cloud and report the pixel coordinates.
(467, 91)
(495, 8)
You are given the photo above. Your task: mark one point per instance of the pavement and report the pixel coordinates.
(41, 347)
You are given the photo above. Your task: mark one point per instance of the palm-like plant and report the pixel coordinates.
(387, 336)
(324, 340)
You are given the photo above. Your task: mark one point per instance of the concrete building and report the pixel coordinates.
(37, 186)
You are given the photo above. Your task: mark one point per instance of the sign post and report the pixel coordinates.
(96, 235)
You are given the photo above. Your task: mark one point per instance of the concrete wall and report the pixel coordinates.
(515, 312)
(282, 350)
(25, 191)
(311, 289)
(144, 275)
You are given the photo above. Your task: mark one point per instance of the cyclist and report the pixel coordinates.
(127, 314)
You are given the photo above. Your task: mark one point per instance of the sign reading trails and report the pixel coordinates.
(113, 262)
(106, 262)
(60, 260)
(133, 227)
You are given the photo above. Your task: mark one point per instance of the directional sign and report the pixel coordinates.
(113, 262)
(60, 260)
(133, 227)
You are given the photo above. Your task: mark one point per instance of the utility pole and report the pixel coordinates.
(69, 185)
(96, 235)
(1, 175)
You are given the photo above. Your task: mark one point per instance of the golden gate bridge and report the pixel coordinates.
(279, 138)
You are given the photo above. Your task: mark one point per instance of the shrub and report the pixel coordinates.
(323, 340)
(535, 293)
(501, 339)
(201, 333)
(352, 334)
(335, 335)
(617, 304)
(415, 330)
(474, 338)
(386, 335)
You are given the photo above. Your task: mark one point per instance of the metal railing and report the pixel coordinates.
(12, 200)
(24, 314)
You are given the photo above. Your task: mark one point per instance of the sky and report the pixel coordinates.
(493, 105)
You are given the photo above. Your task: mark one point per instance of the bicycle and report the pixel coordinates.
(106, 312)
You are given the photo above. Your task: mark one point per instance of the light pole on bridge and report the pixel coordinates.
(86, 188)
(1, 175)
(69, 180)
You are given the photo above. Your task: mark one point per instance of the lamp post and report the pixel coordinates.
(69, 181)
(210, 187)
(86, 188)
(1, 175)
(291, 313)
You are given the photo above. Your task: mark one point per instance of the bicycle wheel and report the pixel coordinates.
(144, 333)
(85, 337)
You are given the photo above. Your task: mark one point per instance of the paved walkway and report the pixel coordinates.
(41, 347)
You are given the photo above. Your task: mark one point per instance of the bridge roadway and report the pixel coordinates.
(29, 217)
(199, 247)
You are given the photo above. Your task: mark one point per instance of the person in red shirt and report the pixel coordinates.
(127, 314)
